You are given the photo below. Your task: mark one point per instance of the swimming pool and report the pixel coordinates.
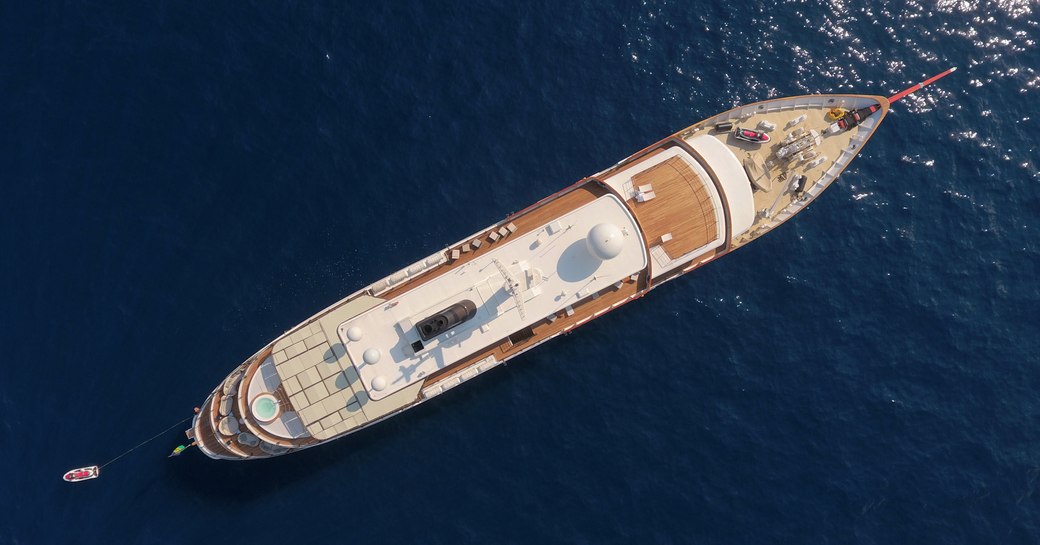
(266, 408)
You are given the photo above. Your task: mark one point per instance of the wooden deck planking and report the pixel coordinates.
(682, 207)
(208, 429)
(207, 435)
(238, 448)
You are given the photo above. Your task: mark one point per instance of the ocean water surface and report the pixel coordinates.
(182, 182)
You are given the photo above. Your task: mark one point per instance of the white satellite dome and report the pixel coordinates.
(605, 241)
(379, 383)
(371, 356)
(354, 333)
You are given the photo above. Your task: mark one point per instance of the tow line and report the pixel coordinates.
(93, 472)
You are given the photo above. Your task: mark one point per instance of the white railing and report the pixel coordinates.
(459, 377)
(411, 271)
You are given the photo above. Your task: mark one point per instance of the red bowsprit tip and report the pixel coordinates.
(919, 86)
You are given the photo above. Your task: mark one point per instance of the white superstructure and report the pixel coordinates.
(521, 282)
(580, 253)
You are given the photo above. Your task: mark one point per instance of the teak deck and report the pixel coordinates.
(682, 207)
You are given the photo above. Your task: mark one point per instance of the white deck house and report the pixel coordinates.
(520, 283)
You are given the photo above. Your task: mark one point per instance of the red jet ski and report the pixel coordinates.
(82, 474)
(749, 135)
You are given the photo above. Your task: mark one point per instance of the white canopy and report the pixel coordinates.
(735, 184)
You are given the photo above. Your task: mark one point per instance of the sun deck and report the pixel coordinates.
(517, 284)
(681, 210)
(524, 221)
(682, 215)
(555, 324)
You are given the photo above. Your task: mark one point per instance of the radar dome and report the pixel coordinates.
(371, 356)
(605, 241)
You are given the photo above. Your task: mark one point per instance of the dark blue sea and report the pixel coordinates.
(183, 181)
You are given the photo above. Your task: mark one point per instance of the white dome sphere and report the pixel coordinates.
(354, 333)
(379, 383)
(372, 355)
(605, 241)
